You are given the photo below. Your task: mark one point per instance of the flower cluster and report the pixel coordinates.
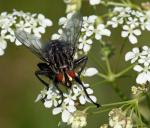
(72, 5)
(51, 98)
(90, 28)
(78, 119)
(10, 22)
(142, 59)
(132, 22)
(118, 119)
(136, 90)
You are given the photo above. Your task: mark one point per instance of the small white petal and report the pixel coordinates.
(106, 32)
(141, 78)
(48, 104)
(86, 48)
(98, 36)
(145, 48)
(89, 91)
(18, 43)
(138, 68)
(132, 39)
(71, 108)
(57, 110)
(136, 50)
(124, 34)
(82, 100)
(129, 56)
(65, 116)
(94, 2)
(93, 98)
(137, 32)
(89, 41)
(148, 76)
(126, 27)
(62, 21)
(91, 72)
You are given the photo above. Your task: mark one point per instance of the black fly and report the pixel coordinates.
(58, 63)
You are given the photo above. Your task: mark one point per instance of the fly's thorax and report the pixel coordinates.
(59, 55)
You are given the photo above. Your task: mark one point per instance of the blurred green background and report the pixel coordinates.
(19, 87)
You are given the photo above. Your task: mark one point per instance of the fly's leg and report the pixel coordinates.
(43, 66)
(80, 62)
(42, 73)
(87, 95)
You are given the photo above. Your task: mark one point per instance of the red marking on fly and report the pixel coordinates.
(60, 77)
(72, 74)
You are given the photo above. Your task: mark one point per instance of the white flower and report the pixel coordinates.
(131, 33)
(88, 29)
(19, 20)
(82, 96)
(79, 92)
(144, 60)
(52, 98)
(101, 31)
(41, 95)
(133, 55)
(77, 119)
(22, 25)
(122, 12)
(89, 20)
(69, 98)
(146, 50)
(90, 72)
(66, 111)
(115, 21)
(94, 2)
(133, 22)
(88, 25)
(144, 74)
(37, 30)
(44, 22)
(63, 20)
(56, 36)
(144, 24)
(85, 44)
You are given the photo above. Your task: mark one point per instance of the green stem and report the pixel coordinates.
(138, 114)
(102, 75)
(148, 100)
(113, 4)
(124, 71)
(119, 103)
(108, 66)
(123, 4)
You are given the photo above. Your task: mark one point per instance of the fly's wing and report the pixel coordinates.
(31, 42)
(71, 31)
